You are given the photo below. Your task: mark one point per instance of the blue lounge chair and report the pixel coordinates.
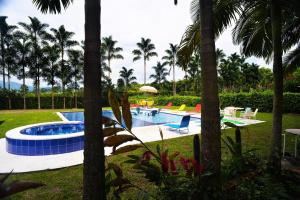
(184, 124)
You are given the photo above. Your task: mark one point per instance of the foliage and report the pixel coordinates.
(253, 99)
(8, 189)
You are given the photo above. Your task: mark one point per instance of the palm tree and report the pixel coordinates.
(160, 73)
(146, 51)
(76, 63)
(93, 167)
(111, 51)
(220, 55)
(210, 113)
(63, 39)
(51, 71)
(22, 46)
(127, 77)
(172, 62)
(36, 31)
(5, 37)
(262, 31)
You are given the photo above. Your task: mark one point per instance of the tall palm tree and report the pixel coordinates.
(146, 51)
(210, 113)
(262, 32)
(5, 38)
(22, 46)
(3, 32)
(220, 55)
(93, 166)
(36, 31)
(51, 71)
(76, 63)
(63, 39)
(127, 77)
(160, 73)
(171, 60)
(111, 51)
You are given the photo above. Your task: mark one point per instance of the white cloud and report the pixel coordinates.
(127, 21)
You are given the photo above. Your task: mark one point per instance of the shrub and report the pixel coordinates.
(261, 100)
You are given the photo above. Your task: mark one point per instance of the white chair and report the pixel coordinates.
(229, 111)
(250, 115)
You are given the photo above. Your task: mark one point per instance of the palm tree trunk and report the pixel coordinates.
(64, 98)
(108, 61)
(275, 156)
(2, 62)
(24, 95)
(210, 116)
(93, 165)
(8, 86)
(39, 93)
(145, 71)
(52, 96)
(174, 83)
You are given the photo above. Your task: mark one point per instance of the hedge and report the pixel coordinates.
(260, 100)
(46, 102)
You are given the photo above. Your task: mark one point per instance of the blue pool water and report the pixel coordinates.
(137, 120)
(54, 129)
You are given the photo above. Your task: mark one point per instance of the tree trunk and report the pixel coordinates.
(210, 114)
(8, 86)
(2, 62)
(38, 92)
(64, 98)
(24, 95)
(109, 68)
(75, 98)
(93, 166)
(52, 96)
(174, 82)
(145, 71)
(275, 156)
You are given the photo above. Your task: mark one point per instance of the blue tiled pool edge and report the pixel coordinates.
(44, 147)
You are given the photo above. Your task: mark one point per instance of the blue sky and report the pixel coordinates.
(127, 21)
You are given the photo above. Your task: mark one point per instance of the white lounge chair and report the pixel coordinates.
(250, 115)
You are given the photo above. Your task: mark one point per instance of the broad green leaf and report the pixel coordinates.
(113, 102)
(126, 149)
(118, 140)
(126, 111)
(111, 131)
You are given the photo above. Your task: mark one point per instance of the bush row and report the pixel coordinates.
(46, 102)
(260, 100)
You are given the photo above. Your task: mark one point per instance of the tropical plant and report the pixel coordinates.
(94, 160)
(171, 60)
(63, 39)
(36, 31)
(146, 51)
(111, 51)
(266, 77)
(127, 77)
(3, 33)
(194, 72)
(160, 74)
(51, 70)
(76, 63)
(22, 46)
(220, 55)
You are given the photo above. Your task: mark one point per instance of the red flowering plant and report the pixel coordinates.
(176, 176)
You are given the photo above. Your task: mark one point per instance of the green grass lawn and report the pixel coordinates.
(67, 183)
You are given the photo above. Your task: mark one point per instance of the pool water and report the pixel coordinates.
(54, 129)
(138, 120)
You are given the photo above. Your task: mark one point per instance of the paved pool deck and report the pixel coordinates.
(20, 164)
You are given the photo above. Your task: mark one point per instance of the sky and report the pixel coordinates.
(127, 21)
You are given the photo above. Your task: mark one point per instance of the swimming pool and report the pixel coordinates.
(138, 120)
(45, 138)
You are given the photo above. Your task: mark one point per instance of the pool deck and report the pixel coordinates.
(20, 164)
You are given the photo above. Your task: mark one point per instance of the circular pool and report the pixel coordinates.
(45, 139)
